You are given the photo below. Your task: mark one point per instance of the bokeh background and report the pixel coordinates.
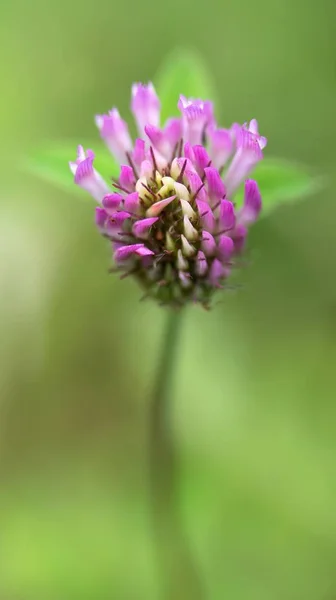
(254, 399)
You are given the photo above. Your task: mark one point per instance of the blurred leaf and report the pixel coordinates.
(51, 163)
(281, 181)
(183, 72)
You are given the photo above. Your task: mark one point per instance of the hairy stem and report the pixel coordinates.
(180, 578)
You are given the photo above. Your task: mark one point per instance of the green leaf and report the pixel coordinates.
(281, 181)
(183, 72)
(51, 163)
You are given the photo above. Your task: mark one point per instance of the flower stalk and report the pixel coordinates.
(179, 575)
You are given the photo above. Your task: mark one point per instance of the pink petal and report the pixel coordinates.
(221, 146)
(201, 266)
(248, 154)
(252, 203)
(239, 235)
(126, 178)
(132, 203)
(196, 185)
(125, 252)
(115, 133)
(141, 229)
(206, 216)
(208, 244)
(144, 251)
(202, 159)
(114, 224)
(217, 272)
(111, 202)
(181, 163)
(195, 116)
(227, 217)
(225, 248)
(100, 218)
(145, 106)
(158, 207)
(86, 176)
(173, 131)
(216, 188)
(138, 154)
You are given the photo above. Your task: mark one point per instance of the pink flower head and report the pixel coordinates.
(171, 219)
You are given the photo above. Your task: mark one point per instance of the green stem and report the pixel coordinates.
(180, 577)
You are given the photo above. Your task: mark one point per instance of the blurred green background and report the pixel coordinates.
(254, 400)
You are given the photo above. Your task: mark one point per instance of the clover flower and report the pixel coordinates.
(170, 216)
